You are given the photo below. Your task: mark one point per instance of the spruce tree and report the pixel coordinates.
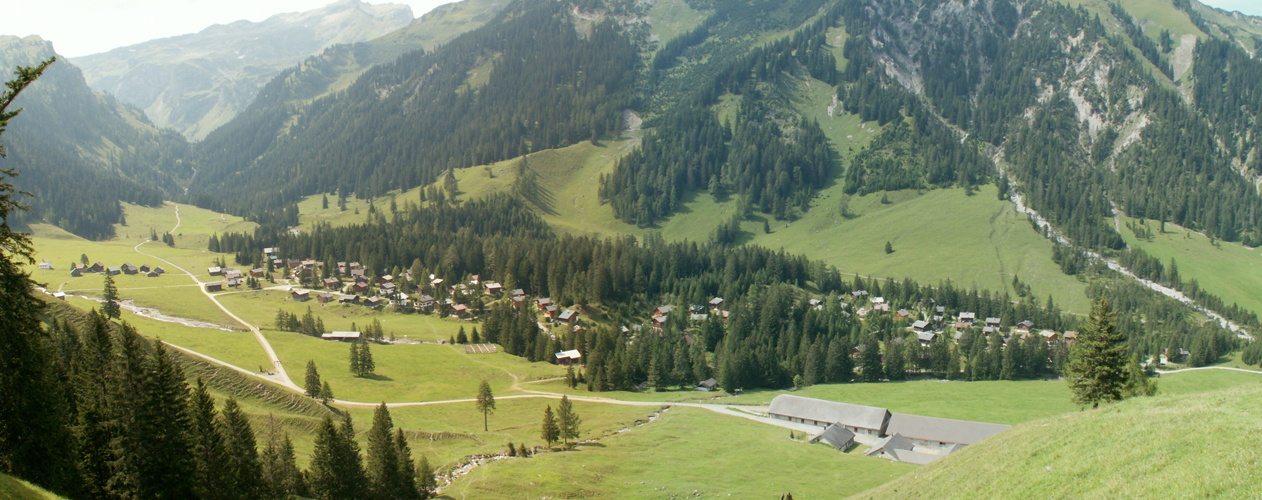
(313, 380)
(426, 482)
(408, 487)
(383, 457)
(871, 358)
(1137, 382)
(244, 468)
(485, 402)
(326, 393)
(323, 473)
(356, 370)
(366, 364)
(110, 307)
(93, 373)
(280, 468)
(208, 444)
(550, 432)
(165, 451)
(568, 421)
(1097, 365)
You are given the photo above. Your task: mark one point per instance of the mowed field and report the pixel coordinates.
(1231, 271)
(685, 450)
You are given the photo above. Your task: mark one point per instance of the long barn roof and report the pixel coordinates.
(864, 417)
(943, 430)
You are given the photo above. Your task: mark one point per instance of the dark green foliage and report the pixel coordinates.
(244, 470)
(337, 469)
(312, 385)
(1141, 40)
(391, 473)
(485, 402)
(1097, 368)
(550, 432)
(209, 453)
(110, 296)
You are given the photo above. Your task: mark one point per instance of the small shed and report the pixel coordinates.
(300, 295)
(46, 265)
(341, 336)
(708, 384)
(325, 298)
(214, 287)
(373, 302)
(837, 436)
(215, 271)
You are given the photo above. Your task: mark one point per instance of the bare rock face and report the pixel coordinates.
(196, 82)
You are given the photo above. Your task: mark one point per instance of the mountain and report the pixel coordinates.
(196, 82)
(80, 152)
(1087, 454)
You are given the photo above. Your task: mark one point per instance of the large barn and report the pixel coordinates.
(855, 418)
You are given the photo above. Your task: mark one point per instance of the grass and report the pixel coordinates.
(671, 18)
(692, 449)
(1231, 271)
(1180, 446)
(12, 488)
(409, 372)
(259, 309)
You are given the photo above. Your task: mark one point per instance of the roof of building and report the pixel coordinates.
(894, 441)
(926, 336)
(914, 457)
(567, 315)
(709, 383)
(864, 417)
(716, 301)
(836, 436)
(341, 335)
(570, 354)
(993, 320)
(943, 430)
(920, 324)
(968, 315)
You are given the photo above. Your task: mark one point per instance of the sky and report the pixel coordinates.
(82, 27)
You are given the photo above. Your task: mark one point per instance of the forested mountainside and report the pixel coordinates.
(404, 123)
(197, 82)
(79, 152)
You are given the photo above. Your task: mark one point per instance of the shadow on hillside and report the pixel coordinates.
(529, 188)
(379, 378)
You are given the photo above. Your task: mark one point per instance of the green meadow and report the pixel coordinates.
(692, 450)
(1231, 271)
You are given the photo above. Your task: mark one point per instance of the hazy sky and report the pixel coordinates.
(82, 27)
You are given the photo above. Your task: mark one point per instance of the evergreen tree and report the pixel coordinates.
(1137, 382)
(568, 421)
(326, 393)
(426, 483)
(871, 358)
(1097, 365)
(383, 457)
(895, 363)
(461, 338)
(313, 380)
(163, 449)
(485, 402)
(408, 487)
(475, 337)
(550, 432)
(356, 370)
(110, 306)
(366, 365)
(1009, 370)
(244, 468)
(34, 442)
(209, 454)
(280, 468)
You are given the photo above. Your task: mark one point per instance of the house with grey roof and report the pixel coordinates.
(855, 418)
(933, 431)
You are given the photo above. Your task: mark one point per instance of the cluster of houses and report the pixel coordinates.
(82, 269)
(231, 278)
(896, 436)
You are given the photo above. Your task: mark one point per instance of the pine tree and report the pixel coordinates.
(486, 402)
(93, 372)
(164, 451)
(110, 306)
(313, 380)
(426, 483)
(889, 248)
(324, 202)
(280, 468)
(34, 442)
(356, 369)
(895, 363)
(407, 487)
(366, 365)
(1097, 366)
(550, 432)
(326, 393)
(1009, 370)
(461, 338)
(475, 338)
(383, 457)
(245, 470)
(871, 357)
(568, 421)
(1137, 382)
(208, 443)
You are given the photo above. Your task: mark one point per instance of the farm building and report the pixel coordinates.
(59, 295)
(215, 271)
(568, 316)
(921, 326)
(932, 431)
(76, 273)
(341, 336)
(325, 298)
(300, 295)
(144, 268)
(901, 449)
(858, 419)
(348, 299)
(968, 318)
(837, 436)
(214, 287)
(708, 384)
(373, 302)
(114, 270)
(46, 265)
(152, 274)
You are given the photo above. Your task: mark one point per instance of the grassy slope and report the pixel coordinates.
(693, 449)
(671, 18)
(12, 488)
(1181, 446)
(1229, 270)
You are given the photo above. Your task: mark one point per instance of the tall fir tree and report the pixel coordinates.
(366, 365)
(550, 432)
(568, 422)
(209, 454)
(165, 449)
(383, 457)
(245, 471)
(356, 370)
(312, 385)
(485, 402)
(1097, 365)
(110, 296)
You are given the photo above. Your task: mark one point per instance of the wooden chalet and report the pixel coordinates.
(568, 316)
(425, 302)
(144, 268)
(114, 270)
(492, 288)
(97, 267)
(75, 272)
(374, 302)
(325, 298)
(215, 271)
(348, 299)
(359, 287)
(300, 295)
(459, 310)
(257, 272)
(216, 286)
(566, 358)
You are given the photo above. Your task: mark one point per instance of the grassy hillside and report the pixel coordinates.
(1229, 270)
(693, 450)
(12, 488)
(1166, 446)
